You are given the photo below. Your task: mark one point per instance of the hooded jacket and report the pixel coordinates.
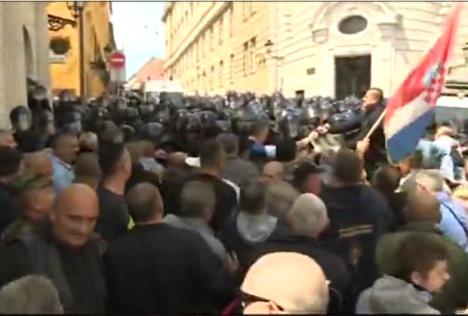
(454, 294)
(390, 295)
(244, 231)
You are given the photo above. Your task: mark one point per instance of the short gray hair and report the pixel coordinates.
(280, 197)
(431, 179)
(32, 294)
(196, 198)
(308, 215)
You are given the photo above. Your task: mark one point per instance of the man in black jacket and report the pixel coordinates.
(212, 164)
(65, 250)
(159, 269)
(374, 147)
(359, 215)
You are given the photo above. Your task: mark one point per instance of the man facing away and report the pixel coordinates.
(116, 167)
(213, 161)
(160, 269)
(65, 250)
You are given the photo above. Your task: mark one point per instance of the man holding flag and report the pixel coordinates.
(410, 110)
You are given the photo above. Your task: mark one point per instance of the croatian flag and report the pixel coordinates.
(410, 110)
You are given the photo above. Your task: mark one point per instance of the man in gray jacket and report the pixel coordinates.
(422, 270)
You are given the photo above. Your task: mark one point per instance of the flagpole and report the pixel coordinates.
(376, 124)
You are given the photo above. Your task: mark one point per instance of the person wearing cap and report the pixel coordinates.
(307, 178)
(36, 199)
(284, 283)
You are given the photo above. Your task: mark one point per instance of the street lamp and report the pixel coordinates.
(76, 9)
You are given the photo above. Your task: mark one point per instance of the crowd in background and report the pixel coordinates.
(97, 217)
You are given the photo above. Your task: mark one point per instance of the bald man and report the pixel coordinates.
(372, 149)
(285, 283)
(273, 171)
(149, 271)
(66, 250)
(39, 164)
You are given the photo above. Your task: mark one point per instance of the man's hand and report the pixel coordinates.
(362, 146)
(160, 154)
(323, 129)
(232, 263)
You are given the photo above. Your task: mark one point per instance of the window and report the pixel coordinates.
(251, 7)
(221, 69)
(202, 46)
(352, 24)
(231, 21)
(252, 54)
(231, 69)
(246, 56)
(212, 78)
(211, 38)
(220, 30)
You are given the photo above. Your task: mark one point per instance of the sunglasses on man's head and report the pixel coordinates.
(247, 299)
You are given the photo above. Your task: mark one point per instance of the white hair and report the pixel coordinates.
(308, 215)
(32, 294)
(432, 180)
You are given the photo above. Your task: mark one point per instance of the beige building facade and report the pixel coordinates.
(314, 48)
(24, 52)
(212, 47)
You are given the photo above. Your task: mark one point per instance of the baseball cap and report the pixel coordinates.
(31, 182)
(304, 169)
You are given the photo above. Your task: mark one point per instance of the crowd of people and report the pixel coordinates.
(97, 217)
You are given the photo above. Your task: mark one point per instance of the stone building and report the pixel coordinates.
(212, 46)
(314, 48)
(23, 53)
(98, 42)
(153, 69)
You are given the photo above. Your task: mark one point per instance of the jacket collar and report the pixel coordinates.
(420, 226)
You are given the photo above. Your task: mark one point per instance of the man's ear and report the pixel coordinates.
(416, 278)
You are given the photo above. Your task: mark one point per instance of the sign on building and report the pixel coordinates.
(117, 67)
